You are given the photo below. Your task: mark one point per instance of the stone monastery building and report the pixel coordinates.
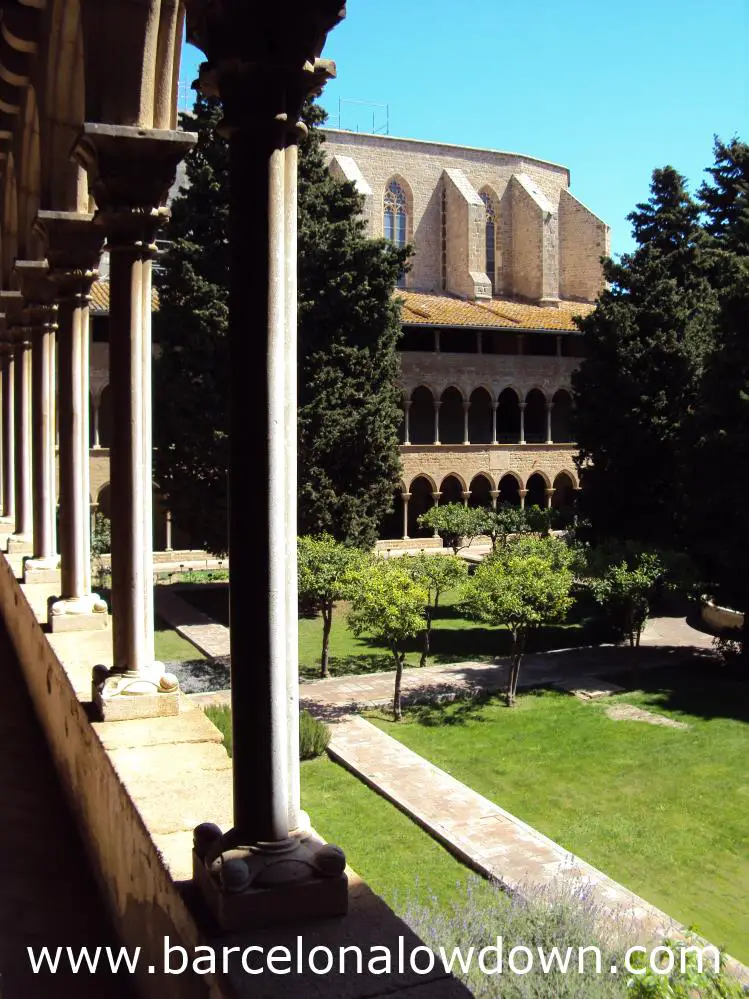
(504, 258)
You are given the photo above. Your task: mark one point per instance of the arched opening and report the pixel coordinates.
(490, 238)
(421, 500)
(561, 417)
(509, 490)
(105, 417)
(535, 417)
(395, 211)
(564, 500)
(480, 417)
(452, 490)
(451, 417)
(480, 488)
(421, 416)
(508, 417)
(103, 501)
(536, 487)
(391, 526)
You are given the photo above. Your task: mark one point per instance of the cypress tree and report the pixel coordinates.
(348, 334)
(644, 349)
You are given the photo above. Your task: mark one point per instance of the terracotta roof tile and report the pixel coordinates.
(419, 308)
(100, 299)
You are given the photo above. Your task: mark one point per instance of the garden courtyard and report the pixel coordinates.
(658, 807)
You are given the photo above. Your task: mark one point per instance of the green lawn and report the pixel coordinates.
(663, 811)
(171, 647)
(396, 858)
(454, 638)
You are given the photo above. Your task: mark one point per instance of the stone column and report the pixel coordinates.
(437, 405)
(168, 540)
(494, 422)
(436, 341)
(41, 317)
(21, 540)
(522, 493)
(407, 426)
(549, 493)
(262, 870)
(549, 407)
(96, 408)
(494, 495)
(522, 406)
(9, 473)
(73, 249)
(465, 496)
(436, 497)
(405, 497)
(466, 409)
(130, 171)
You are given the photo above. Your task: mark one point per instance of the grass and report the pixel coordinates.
(171, 647)
(454, 638)
(661, 810)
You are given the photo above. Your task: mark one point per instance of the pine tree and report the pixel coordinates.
(644, 348)
(725, 201)
(348, 334)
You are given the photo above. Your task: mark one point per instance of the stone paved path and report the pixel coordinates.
(207, 635)
(48, 896)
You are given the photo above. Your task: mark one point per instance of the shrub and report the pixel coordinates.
(314, 735)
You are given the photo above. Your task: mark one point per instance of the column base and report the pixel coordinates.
(79, 614)
(20, 544)
(124, 696)
(247, 887)
(42, 570)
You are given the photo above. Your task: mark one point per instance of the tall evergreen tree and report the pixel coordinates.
(644, 348)
(348, 334)
(725, 198)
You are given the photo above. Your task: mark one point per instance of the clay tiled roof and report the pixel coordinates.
(100, 299)
(497, 313)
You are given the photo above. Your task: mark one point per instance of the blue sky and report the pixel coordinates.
(610, 90)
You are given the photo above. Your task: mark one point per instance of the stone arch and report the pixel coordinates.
(452, 488)
(508, 416)
(561, 417)
(537, 484)
(480, 416)
(565, 493)
(30, 245)
(64, 183)
(509, 488)
(481, 487)
(391, 525)
(535, 416)
(451, 416)
(421, 490)
(398, 196)
(10, 222)
(421, 416)
(427, 477)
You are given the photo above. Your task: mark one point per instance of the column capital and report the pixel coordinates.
(550, 491)
(73, 246)
(406, 497)
(130, 171)
(437, 496)
(522, 492)
(494, 493)
(466, 494)
(522, 405)
(259, 62)
(37, 289)
(12, 304)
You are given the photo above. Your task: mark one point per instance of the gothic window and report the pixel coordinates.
(395, 218)
(491, 238)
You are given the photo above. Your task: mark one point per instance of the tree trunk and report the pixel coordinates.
(397, 710)
(327, 622)
(518, 647)
(427, 636)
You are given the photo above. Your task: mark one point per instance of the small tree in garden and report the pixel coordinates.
(437, 573)
(506, 520)
(625, 590)
(522, 585)
(327, 571)
(389, 605)
(456, 524)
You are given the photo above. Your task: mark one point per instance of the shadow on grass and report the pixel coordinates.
(354, 665)
(701, 687)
